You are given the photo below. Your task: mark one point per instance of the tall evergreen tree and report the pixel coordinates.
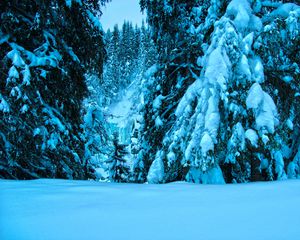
(95, 136)
(179, 48)
(209, 112)
(46, 48)
(278, 46)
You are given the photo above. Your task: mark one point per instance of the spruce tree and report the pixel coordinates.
(118, 169)
(95, 136)
(46, 48)
(214, 101)
(179, 48)
(278, 46)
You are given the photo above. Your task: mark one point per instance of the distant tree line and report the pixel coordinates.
(130, 52)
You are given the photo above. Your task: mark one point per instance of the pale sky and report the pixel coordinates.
(116, 11)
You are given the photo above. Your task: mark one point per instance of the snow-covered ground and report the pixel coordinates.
(61, 209)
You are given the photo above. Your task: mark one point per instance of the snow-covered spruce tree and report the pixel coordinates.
(225, 126)
(175, 27)
(46, 48)
(264, 154)
(118, 168)
(278, 46)
(96, 139)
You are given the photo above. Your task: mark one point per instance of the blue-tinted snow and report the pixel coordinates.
(59, 209)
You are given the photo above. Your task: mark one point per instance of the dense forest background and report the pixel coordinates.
(214, 91)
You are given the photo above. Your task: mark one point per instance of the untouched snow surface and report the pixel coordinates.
(61, 209)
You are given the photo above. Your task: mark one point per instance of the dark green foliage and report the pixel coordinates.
(179, 50)
(279, 48)
(118, 168)
(188, 31)
(49, 46)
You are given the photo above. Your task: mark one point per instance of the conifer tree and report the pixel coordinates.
(211, 103)
(96, 139)
(179, 48)
(46, 47)
(118, 169)
(278, 46)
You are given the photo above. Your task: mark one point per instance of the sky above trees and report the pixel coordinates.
(117, 11)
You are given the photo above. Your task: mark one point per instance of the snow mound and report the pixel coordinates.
(156, 171)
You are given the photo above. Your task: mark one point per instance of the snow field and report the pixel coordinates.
(61, 209)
